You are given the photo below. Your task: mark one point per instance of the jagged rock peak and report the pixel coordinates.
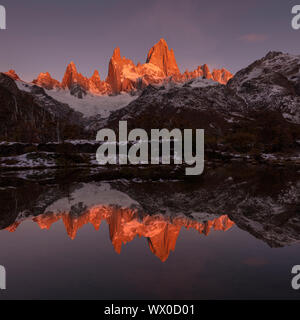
(72, 66)
(12, 73)
(45, 80)
(162, 57)
(117, 73)
(96, 75)
(124, 76)
(72, 77)
(117, 54)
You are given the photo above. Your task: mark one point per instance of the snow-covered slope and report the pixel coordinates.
(272, 82)
(24, 86)
(103, 105)
(92, 105)
(199, 103)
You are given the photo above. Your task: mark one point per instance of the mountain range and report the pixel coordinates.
(125, 76)
(255, 113)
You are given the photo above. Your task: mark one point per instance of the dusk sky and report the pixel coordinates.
(47, 35)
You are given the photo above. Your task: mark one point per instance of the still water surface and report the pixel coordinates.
(223, 238)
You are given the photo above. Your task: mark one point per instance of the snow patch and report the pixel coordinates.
(91, 195)
(203, 83)
(92, 105)
(23, 86)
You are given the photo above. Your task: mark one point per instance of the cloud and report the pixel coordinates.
(254, 38)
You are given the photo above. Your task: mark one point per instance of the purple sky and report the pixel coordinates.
(46, 36)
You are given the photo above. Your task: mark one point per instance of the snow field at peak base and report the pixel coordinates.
(92, 105)
(102, 105)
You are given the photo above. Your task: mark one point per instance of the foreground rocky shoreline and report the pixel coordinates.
(80, 156)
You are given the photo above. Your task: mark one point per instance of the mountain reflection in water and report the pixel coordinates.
(257, 206)
(125, 224)
(262, 201)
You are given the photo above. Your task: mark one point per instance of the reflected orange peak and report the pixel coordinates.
(125, 224)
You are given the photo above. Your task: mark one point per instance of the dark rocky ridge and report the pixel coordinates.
(35, 116)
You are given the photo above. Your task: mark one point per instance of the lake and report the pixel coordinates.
(232, 233)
